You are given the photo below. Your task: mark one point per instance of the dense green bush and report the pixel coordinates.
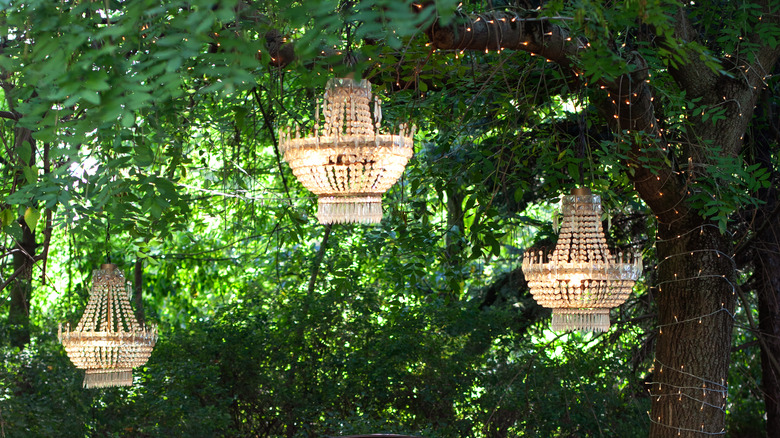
(433, 369)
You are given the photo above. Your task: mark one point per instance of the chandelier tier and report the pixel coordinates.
(580, 280)
(108, 341)
(346, 162)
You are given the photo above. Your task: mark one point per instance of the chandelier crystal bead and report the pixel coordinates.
(581, 280)
(345, 161)
(108, 341)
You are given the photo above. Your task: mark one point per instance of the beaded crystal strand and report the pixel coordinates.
(108, 341)
(346, 162)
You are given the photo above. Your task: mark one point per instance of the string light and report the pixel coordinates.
(704, 392)
(682, 429)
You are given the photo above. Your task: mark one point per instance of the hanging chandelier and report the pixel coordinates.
(346, 162)
(108, 341)
(580, 280)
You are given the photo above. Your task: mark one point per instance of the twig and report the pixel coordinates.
(219, 248)
(13, 276)
(274, 140)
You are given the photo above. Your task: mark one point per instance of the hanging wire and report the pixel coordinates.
(583, 142)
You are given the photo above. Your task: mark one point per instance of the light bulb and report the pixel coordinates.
(576, 280)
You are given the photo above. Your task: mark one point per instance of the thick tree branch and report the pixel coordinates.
(692, 75)
(629, 106)
(501, 30)
(10, 115)
(737, 91)
(766, 55)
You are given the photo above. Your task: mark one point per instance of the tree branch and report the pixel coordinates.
(315, 267)
(48, 216)
(10, 115)
(268, 124)
(502, 30)
(692, 75)
(16, 273)
(759, 334)
(629, 106)
(766, 55)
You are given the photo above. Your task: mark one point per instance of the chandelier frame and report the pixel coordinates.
(580, 280)
(108, 341)
(345, 161)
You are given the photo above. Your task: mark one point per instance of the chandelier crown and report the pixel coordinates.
(581, 280)
(346, 108)
(346, 162)
(108, 341)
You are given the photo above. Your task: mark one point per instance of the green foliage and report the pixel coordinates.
(40, 393)
(153, 139)
(745, 377)
(332, 364)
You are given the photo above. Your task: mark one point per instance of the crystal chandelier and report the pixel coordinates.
(581, 280)
(108, 342)
(346, 162)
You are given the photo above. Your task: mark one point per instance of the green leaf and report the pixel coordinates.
(91, 96)
(128, 120)
(7, 217)
(31, 174)
(24, 152)
(31, 216)
(574, 171)
(143, 155)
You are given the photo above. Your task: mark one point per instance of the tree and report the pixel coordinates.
(697, 283)
(156, 93)
(683, 171)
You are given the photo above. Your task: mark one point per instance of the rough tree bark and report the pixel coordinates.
(765, 253)
(696, 275)
(768, 288)
(708, 273)
(695, 298)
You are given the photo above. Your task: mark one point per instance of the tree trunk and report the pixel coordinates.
(454, 241)
(23, 258)
(138, 290)
(766, 260)
(21, 289)
(768, 272)
(696, 299)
